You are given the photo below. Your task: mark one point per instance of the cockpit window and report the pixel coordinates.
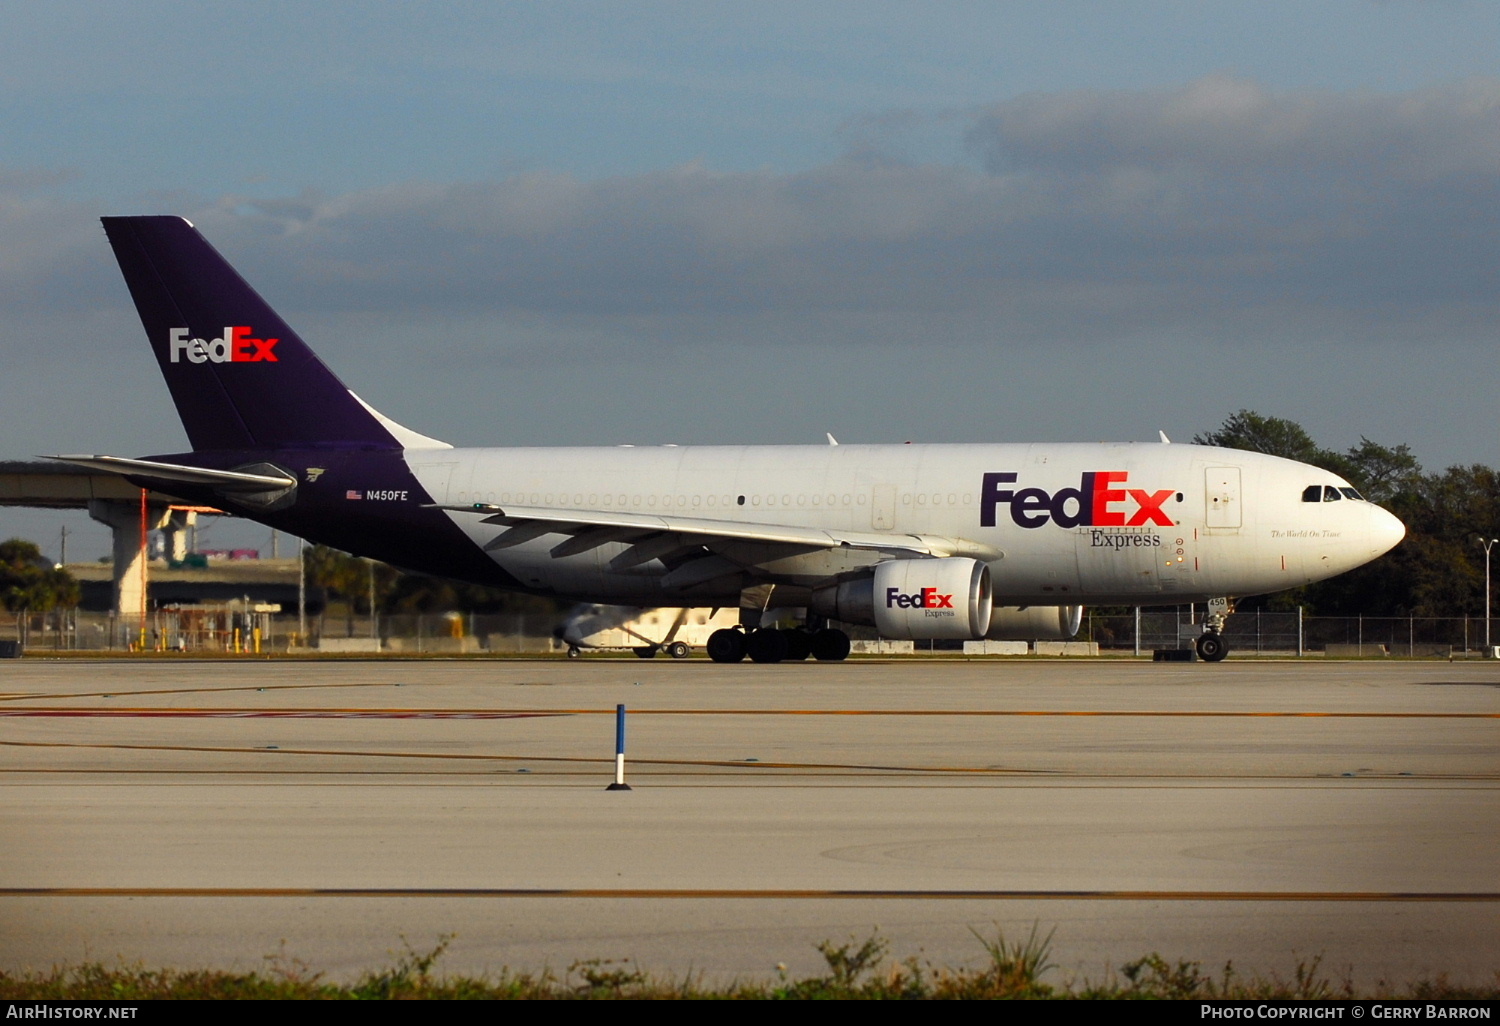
(1328, 493)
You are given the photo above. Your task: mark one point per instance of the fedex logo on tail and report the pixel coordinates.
(1100, 500)
(236, 345)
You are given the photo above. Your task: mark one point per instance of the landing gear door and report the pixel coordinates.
(1222, 498)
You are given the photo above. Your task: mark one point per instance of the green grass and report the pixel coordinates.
(853, 970)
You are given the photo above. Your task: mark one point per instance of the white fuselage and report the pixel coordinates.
(1126, 523)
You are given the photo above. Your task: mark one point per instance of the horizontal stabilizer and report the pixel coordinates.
(223, 480)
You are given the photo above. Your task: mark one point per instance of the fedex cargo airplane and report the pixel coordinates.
(918, 541)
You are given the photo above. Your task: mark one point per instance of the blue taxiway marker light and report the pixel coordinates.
(619, 784)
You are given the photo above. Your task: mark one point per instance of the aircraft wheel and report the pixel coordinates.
(798, 644)
(830, 646)
(574, 651)
(646, 652)
(726, 646)
(766, 646)
(677, 650)
(1211, 648)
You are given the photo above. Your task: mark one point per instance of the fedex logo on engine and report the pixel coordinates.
(236, 345)
(1100, 500)
(927, 598)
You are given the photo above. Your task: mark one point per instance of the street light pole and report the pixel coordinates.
(374, 629)
(301, 593)
(1487, 542)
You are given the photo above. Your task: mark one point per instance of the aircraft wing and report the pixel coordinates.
(591, 528)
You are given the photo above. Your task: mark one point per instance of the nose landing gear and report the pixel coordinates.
(1211, 646)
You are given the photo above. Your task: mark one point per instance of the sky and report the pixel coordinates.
(595, 223)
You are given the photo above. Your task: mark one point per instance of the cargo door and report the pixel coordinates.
(1120, 564)
(1222, 505)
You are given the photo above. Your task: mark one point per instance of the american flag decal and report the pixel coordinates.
(351, 494)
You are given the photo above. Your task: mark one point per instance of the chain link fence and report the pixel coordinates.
(238, 629)
(247, 630)
(1292, 633)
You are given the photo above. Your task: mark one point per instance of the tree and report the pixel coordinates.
(1437, 571)
(1271, 435)
(348, 578)
(28, 582)
(418, 593)
(1382, 473)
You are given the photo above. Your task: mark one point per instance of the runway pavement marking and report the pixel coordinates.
(721, 893)
(289, 714)
(210, 691)
(667, 779)
(737, 764)
(724, 763)
(434, 713)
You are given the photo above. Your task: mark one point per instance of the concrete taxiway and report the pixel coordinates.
(216, 813)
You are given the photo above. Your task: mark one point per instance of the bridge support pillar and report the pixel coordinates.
(124, 521)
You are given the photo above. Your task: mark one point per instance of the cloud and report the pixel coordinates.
(1220, 212)
(1361, 204)
(46, 259)
(1228, 126)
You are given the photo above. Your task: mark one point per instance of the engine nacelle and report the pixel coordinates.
(914, 599)
(1034, 623)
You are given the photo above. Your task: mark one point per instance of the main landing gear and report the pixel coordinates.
(1212, 647)
(772, 644)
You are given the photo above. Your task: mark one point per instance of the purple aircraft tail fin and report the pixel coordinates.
(241, 378)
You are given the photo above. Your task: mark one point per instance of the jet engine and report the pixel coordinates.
(914, 599)
(1034, 623)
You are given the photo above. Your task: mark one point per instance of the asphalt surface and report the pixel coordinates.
(335, 815)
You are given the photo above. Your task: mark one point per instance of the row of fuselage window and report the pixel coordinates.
(1328, 493)
(829, 501)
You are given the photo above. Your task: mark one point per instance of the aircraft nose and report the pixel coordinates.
(1386, 531)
